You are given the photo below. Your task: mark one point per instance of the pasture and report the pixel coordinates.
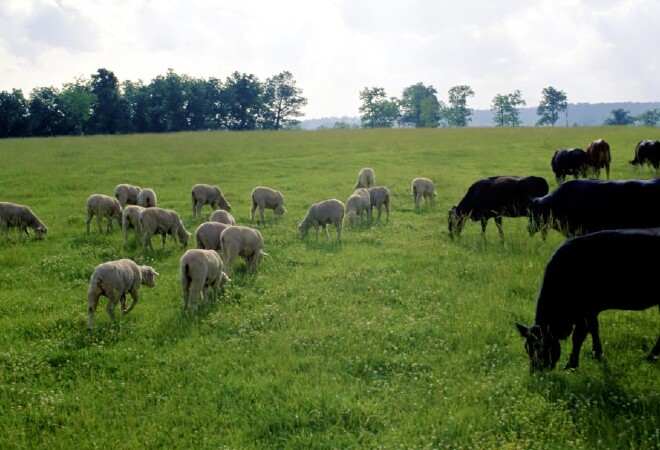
(396, 338)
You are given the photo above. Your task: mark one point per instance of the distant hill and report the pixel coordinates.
(580, 114)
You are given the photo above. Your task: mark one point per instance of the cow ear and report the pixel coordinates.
(523, 330)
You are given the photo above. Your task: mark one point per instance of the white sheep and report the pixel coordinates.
(164, 222)
(115, 279)
(202, 277)
(205, 194)
(208, 234)
(147, 198)
(422, 188)
(222, 216)
(127, 194)
(380, 196)
(13, 215)
(322, 214)
(103, 206)
(266, 198)
(130, 218)
(357, 204)
(242, 241)
(366, 178)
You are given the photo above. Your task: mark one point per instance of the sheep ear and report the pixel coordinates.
(156, 274)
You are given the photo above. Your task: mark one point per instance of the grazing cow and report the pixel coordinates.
(598, 157)
(585, 276)
(647, 152)
(569, 162)
(585, 206)
(496, 197)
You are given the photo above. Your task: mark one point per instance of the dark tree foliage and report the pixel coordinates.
(420, 106)
(553, 102)
(169, 102)
(620, 116)
(377, 110)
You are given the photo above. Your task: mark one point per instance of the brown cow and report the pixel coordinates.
(598, 156)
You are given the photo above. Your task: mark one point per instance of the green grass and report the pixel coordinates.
(397, 338)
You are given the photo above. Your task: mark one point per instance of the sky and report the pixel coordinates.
(594, 50)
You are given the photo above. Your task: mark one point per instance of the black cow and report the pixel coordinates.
(496, 197)
(585, 276)
(569, 162)
(585, 206)
(647, 152)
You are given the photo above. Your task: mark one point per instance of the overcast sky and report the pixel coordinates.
(595, 50)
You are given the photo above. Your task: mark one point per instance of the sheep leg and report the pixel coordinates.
(498, 223)
(338, 227)
(98, 223)
(252, 210)
(327, 233)
(109, 228)
(146, 241)
(387, 211)
(163, 238)
(135, 296)
(253, 261)
(316, 227)
(380, 210)
(185, 287)
(261, 214)
(93, 296)
(112, 303)
(89, 220)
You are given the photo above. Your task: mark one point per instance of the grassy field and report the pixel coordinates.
(397, 338)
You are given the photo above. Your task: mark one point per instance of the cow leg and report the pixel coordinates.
(595, 338)
(579, 334)
(498, 223)
(484, 224)
(655, 353)
(607, 171)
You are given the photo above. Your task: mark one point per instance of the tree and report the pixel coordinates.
(137, 98)
(76, 100)
(420, 106)
(376, 110)
(458, 114)
(619, 116)
(552, 104)
(14, 114)
(106, 107)
(242, 100)
(505, 109)
(282, 101)
(46, 115)
(649, 118)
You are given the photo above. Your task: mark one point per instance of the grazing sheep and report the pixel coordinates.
(264, 197)
(162, 221)
(366, 178)
(208, 234)
(320, 215)
(380, 196)
(115, 279)
(222, 216)
(127, 194)
(423, 188)
(356, 205)
(147, 198)
(130, 218)
(103, 206)
(242, 241)
(205, 194)
(202, 277)
(13, 215)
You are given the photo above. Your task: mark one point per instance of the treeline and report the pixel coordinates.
(170, 102)
(420, 107)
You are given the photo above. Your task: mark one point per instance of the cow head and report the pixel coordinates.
(542, 348)
(455, 222)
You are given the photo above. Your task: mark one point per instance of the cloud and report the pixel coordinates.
(595, 50)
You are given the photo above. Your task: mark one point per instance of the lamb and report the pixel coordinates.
(13, 215)
(356, 205)
(147, 198)
(205, 194)
(222, 216)
(103, 206)
(127, 194)
(162, 221)
(242, 241)
(201, 274)
(264, 197)
(208, 235)
(380, 196)
(423, 188)
(320, 215)
(115, 279)
(130, 218)
(366, 178)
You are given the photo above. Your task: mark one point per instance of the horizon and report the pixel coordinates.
(336, 48)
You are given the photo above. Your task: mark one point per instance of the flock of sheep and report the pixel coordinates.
(220, 241)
